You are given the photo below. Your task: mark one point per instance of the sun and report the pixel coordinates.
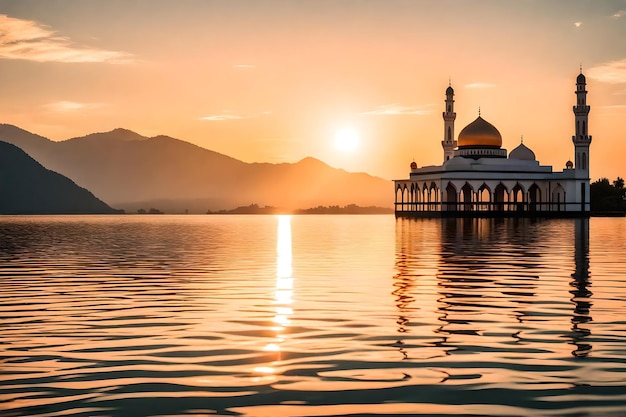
(346, 139)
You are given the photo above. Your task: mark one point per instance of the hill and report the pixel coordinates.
(26, 187)
(131, 171)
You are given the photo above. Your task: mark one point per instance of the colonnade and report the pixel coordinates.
(486, 196)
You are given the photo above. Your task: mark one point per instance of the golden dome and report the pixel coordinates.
(480, 134)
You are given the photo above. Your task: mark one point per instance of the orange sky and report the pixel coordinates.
(275, 80)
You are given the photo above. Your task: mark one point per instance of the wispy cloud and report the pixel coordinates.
(222, 117)
(226, 115)
(613, 72)
(245, 66)
(29, 40)
(479, 85)
(619, 14)
(68, 106)
(396, 109)
(578, 24)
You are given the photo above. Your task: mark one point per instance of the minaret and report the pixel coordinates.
(448, 143)
(582, 139)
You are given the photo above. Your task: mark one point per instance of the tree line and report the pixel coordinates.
(608, 197)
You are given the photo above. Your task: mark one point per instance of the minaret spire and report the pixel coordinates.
(581, 139)
(449, 143)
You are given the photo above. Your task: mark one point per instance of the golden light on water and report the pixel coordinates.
(283, 292)
(283, 249)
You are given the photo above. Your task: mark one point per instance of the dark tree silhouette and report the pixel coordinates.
(608, 197)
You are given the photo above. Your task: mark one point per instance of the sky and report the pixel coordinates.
(275, 81)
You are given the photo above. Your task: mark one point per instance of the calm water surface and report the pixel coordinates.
(311, 316)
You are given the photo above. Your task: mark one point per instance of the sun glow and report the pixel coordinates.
(347, 140)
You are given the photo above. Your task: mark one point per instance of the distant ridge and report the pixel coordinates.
(26, 187)
(131, 171)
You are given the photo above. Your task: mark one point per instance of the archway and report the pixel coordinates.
(466, 196)
(483, 197)
(451, 197)
(433, 191)
(517, 194)
(534, 197)
(558, 198)
(500, 196)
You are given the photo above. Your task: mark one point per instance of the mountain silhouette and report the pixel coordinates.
(26, 187)
(131, 171)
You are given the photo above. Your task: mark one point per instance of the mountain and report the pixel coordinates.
(131, 171)
(26, 187)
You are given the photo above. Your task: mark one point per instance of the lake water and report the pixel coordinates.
(311, 316)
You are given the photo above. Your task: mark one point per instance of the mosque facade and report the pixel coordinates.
(479, 179)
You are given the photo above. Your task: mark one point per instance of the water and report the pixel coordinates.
(311, 316)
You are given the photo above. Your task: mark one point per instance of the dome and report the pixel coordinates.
(522, 152)
(581, 79)
(480, 134)
(449, 90)
(569, 165)
(413, 165)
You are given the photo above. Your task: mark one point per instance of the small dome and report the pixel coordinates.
(413, 165)
(480, 134)
(449, 90)
(581, 79)
(569, 165)
(522, 152)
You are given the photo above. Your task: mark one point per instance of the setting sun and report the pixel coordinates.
(347, 139)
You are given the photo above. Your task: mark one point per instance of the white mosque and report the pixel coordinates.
(478, 179)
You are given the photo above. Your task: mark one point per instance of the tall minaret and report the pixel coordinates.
(582, 139)
(448, 143)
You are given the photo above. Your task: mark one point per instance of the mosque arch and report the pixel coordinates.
(425, 197)
(449, 133)
(433, 196)
(584, 160)
(451, 197)
(500, 196)
(399, 196)
(517, 197)
(483, 197)
(405, 196)
(558, 198)
(466, 194)
(534, 197)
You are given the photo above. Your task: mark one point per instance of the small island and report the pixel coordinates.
(348, 209)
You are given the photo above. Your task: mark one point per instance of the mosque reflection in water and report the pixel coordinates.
(490, 279)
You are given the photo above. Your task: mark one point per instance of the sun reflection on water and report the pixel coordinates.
(283, 293)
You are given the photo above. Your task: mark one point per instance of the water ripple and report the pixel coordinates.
(310, 316)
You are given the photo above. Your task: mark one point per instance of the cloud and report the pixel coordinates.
(396, 109)
(578, 24)
(479, 85)
(68, 106)
(222, 117)
(226, 115)
(619, 14)
(245, 66)
(29, 40)
(613, 72)
(614, 106)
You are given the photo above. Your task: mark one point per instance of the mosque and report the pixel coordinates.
(478, 179)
